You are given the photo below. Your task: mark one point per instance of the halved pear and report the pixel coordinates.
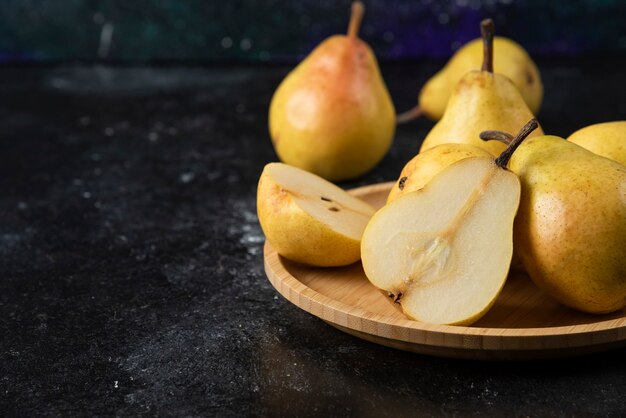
(308, 219)
(443, 252)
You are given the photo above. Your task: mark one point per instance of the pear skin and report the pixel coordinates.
(510, 60)
(481, 100)
(606, 139)
(570, 229)
(424, 166)
(332, 115)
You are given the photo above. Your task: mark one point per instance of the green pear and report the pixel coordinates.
(511, 60)
(570, 229)
(606, 139)
(481, 100)
(332, 115)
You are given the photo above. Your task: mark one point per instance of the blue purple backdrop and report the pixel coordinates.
(283, 31)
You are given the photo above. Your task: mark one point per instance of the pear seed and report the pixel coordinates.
(401, 183)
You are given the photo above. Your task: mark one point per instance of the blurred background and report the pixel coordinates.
(245, 31)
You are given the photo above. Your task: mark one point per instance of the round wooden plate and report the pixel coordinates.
(524, 323)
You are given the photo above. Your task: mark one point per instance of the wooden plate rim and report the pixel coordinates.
(326, 308)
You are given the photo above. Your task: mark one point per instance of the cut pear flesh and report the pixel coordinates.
(308, 219)
(323, 200)
(443, 252)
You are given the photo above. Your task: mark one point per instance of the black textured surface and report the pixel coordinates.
(131, 276)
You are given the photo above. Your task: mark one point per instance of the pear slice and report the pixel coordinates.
(308, 219)
(443, 252)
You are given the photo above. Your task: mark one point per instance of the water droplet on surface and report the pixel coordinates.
(245, 44)
(187, 177)
(227, 42)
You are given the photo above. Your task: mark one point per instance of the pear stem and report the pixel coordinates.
(487, 30)
(358, 10)
(504, 137)
(409, 115)
(504, 158)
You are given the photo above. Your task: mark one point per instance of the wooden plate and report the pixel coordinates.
(524, 323)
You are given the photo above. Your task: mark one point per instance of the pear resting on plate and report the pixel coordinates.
(570, 230)
(308, 219)
(443, 252)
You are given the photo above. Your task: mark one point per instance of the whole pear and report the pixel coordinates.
(511, 60)
(332, 115)
(425, 165)
(481, 100)
(570, 229)
(606, 139)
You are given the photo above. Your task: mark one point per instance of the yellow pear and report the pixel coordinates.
(570, 229)
(443, 252)
(308, 219)
(606, 139)
(424, 166)
(332, 115)
(481, 100)
(510, 60)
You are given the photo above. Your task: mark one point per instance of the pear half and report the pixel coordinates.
(308, 219)
(443, 252)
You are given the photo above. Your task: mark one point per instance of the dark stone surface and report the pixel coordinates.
(131, 276)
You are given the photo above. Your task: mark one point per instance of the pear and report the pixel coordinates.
(424, 166)
(511, 60)
(332, 115)
(308, 219)
(606, 139)
(443, 252)
(481, 100)
(570, 230)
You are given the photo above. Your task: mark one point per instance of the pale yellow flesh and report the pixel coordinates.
(605, 139)
(510, 60)
(308, 219)
(447, 247)
(481, 101)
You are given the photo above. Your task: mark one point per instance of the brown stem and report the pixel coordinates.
(487, 31)
(503, 159)
(409, 115)
(504, 137)
(355, 19)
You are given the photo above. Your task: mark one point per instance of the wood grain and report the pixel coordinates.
(524, 323)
